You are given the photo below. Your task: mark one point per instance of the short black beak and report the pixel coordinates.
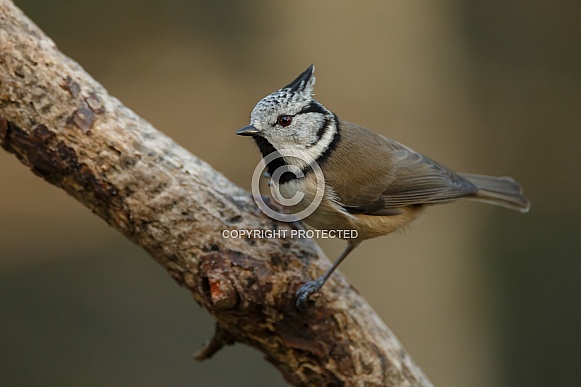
(249, 130)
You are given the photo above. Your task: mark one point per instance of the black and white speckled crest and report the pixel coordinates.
(291, 98)
(302, 79)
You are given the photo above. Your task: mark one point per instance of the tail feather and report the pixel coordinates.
(502, 191)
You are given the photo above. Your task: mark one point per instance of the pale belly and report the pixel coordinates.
(328, 215)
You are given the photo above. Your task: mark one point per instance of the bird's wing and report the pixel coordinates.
(420, 180)
(388, 175)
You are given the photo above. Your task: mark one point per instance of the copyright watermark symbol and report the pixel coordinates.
(300, 204)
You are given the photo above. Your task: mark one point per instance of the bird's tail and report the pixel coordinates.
(501, 191)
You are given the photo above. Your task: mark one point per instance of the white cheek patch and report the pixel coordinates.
(302, 156)
(306, 127)
(318, 148)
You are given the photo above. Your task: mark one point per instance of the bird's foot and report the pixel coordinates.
(302, 295)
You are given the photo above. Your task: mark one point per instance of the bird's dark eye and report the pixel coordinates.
(285, 120)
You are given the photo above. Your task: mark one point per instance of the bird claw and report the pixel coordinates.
(302, 295)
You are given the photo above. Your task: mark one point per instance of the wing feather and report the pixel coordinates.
(390, 175)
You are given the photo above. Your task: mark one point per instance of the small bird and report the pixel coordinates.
(372, 184)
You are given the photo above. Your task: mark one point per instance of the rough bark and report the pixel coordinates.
(64, 126)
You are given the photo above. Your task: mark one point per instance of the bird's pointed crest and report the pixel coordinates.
(303, 83)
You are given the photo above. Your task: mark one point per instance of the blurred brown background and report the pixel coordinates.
(479, 295)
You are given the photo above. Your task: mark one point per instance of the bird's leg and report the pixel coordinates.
(302, 295)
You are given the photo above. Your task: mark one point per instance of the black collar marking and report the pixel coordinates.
(266, 148)
(334, 142)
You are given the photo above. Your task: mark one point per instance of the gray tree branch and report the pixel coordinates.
(63, 125)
